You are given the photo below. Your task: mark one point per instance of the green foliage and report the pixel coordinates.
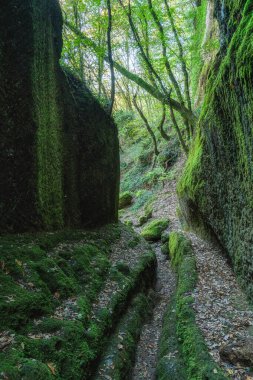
(142, 198)
(169, 153)
(154, 229)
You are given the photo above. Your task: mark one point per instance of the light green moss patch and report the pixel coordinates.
(154, 229)
(179, 247)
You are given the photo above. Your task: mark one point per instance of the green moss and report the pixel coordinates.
(35, 281)
(119, 357)
(125, 199)
(134, 242)
(154, 229)
(179, 247)
(165, 249)
(48, 121)
(142, 220)
(170, 364)
(198, 363)
(50, 283)
(190, 178)
(32, 369)
(128, 223)
(216, 188)
(148, 211)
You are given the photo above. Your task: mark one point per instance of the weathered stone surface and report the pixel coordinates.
(217, 185)
(58, 148)
(240, 352)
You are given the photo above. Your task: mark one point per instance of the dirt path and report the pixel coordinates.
(222, 311)
(146, 355)
(148, 345)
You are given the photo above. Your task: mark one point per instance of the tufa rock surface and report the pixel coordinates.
(216, 189)
(58, 148)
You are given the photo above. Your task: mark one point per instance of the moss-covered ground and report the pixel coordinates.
(183, 352)
(52, 325)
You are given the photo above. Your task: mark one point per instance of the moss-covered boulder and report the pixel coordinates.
(154, 229)
(125, 199)
(59, 149)
(148, 211)
(216, 190)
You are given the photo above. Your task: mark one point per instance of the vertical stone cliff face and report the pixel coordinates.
(216, 189)
(58, 148)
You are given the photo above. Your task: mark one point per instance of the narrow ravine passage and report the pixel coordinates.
(165, 206)
(223, 313)
(146, 355)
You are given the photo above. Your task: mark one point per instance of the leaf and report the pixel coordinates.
(52, 368)
(18, 262)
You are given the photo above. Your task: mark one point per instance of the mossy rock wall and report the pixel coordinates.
(59, 149)
(91, 164)
(216, 188)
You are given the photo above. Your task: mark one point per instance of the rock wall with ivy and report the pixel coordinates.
(216, 189)
(58, 148)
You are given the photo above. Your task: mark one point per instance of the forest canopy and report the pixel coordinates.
(136, 57)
